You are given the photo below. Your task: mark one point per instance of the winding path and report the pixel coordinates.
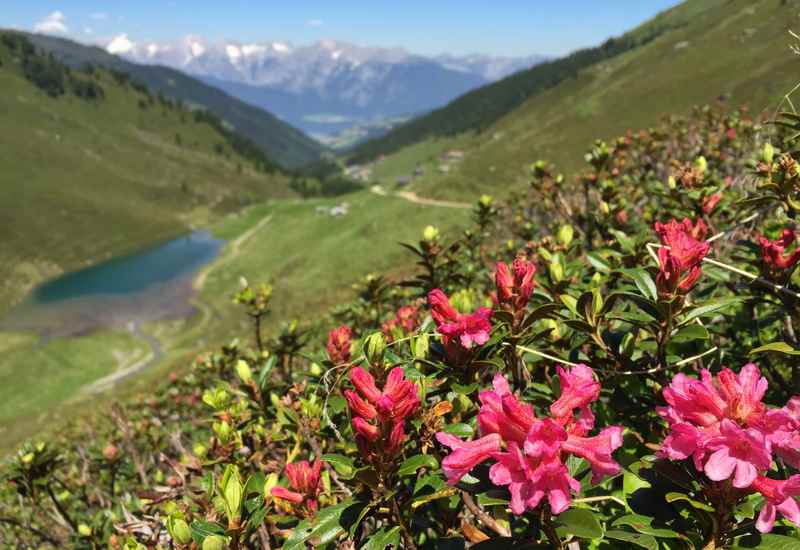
(155, 355)
(410, 196)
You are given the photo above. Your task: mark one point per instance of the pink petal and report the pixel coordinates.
(720, 465)
(766, 518)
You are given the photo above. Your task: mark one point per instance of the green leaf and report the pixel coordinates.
(627, 244)
(675, 497)
(639, 539)
(328, 524)
(711, 308)
(383, 539)
(460, 430)
(342, 464)
(632, 483)
(579, 522)
(485, 500)
(414, 463)
(202, 529)
(690, 333)
(598, 263)
(464, 389)
(777, 347)
(643, 524)
(644, 282)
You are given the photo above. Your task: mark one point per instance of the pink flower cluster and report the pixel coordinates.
(305, 480)
(514, 286)
(723, 425)
(774, 254)
(339, 345)
(379, 416)
(404, 322)
(530, 452)
(460, 333)
(679, 258)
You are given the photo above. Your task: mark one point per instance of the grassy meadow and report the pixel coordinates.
(311, 259)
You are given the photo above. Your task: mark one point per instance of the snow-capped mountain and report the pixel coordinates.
(327, 86)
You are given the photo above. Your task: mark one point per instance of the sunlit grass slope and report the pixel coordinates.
(736, 50)
(81, 180)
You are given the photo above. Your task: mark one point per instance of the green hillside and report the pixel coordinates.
(285, 144)
(695, 53)
(91, 167)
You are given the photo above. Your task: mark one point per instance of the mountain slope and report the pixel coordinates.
(281, 142)
(704, 50)
(90, 168)
(480, 108)
(328, 86)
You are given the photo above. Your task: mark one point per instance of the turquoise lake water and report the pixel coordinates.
(153, 283)
(135, 272)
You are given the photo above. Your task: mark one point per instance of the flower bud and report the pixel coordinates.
(179, 530)
(199, 450)
(233, 491)
(671, 183)
(556, 270)
(214, 542)
(374, 346)
(430, 234)
(110, 452)
(701, 164)
(222, 431)
(486, 200)
(565, 234)
(604, 208)
(243, 371)
(768, 153)
(84, 530)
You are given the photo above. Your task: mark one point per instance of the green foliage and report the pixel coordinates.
(205, 457)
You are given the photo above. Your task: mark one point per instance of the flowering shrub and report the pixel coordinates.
(557, 375)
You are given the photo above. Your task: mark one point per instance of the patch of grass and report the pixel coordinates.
(312, 259)
(37, 380)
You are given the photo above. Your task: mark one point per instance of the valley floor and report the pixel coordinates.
(311, 258)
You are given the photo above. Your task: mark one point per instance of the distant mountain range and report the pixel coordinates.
(328, 86)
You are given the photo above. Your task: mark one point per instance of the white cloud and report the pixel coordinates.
(120, 44)
(99, 16)
(55, 23)
(315, 22)
(88, 30)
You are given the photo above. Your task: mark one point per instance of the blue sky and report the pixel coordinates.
(502, 27)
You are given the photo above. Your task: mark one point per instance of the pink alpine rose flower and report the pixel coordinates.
(460, 333)
(779, 496)
(379, 415)
(683, 249)
(304, 479)
(515, 285)
(774, 253)
(723, 424)
(338, 347)
(743, 451)
(530, 452)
